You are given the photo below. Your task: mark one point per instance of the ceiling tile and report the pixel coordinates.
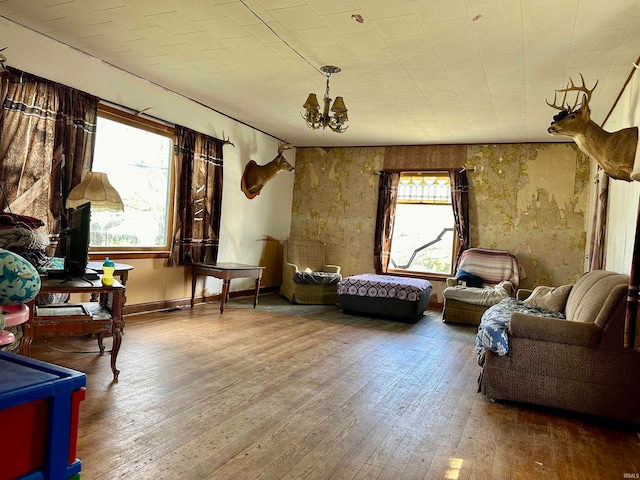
(397, 27)
(363, 41)
(440, 10)
(297, 18)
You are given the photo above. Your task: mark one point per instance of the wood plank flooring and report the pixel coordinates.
(304, 392)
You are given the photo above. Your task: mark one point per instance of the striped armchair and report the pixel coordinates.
(499, 273)
(307, 256)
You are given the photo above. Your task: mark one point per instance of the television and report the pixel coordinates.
(77, 242)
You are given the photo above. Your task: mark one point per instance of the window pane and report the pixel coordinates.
(415, 227)
(137, 163)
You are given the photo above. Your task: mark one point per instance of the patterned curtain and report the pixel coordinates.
(387, 197)
(27, 139)
(74, 143)
(599, 222)
(47, 133)
(199, 198)
(460, 204)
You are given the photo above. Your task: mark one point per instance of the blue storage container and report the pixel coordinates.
(39, 410)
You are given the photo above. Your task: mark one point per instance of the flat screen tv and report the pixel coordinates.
(77, 242)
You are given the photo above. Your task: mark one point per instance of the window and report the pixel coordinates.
(136, 155)
(424, 227)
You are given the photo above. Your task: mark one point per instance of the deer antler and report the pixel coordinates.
(557, 107)
(284, 145)
(227, 141)
(573, 88)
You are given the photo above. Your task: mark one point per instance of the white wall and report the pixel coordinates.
(623, 196)
(245, 223)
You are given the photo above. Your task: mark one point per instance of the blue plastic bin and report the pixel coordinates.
(39, 410)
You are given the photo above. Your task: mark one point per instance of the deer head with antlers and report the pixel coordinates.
(615, 152)
(256, 176)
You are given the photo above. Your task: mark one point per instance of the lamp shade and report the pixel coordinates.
(312, 102)
(95, 188)
(339, 106)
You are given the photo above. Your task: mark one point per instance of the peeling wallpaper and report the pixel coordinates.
(335, 199)
(529, 199)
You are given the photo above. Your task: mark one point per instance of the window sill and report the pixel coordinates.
(436, 277)
(96, 255)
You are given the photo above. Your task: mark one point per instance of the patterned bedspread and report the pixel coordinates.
(384, 286)
(494, 325)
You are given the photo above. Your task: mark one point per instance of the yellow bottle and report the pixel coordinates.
(108, 267)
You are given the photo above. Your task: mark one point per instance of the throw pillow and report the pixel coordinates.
(469, 278)
(550, 298)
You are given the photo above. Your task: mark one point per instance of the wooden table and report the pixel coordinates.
(225, 271)
(122, 272)
(105, 316)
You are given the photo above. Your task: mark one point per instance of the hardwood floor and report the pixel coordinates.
(295, 392)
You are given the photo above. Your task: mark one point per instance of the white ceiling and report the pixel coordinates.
(413, 72)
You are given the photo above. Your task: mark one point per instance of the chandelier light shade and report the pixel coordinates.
(95, 188)
(336, 122)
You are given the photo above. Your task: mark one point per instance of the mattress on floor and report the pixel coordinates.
(401, 298)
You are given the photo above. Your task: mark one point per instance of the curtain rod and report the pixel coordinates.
(138, 113)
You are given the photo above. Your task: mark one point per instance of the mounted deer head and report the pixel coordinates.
(256, 176)
(615, 152)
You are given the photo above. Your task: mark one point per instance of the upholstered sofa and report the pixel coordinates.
(577, 363)
(307, 278)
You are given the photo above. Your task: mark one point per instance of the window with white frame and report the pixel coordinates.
(424, 236)
(137, 156)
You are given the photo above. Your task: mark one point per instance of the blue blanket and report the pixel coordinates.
(493, 332)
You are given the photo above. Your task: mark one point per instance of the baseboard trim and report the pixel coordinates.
(185, 302)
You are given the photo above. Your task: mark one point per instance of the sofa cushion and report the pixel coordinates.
(316, 278)
(487, 295)
(550, 298)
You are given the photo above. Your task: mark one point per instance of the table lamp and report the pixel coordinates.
(95, 188)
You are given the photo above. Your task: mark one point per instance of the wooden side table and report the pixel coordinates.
(104, 318)
(226, 271)
(122, 272)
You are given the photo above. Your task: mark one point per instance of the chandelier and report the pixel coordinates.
(315, 119)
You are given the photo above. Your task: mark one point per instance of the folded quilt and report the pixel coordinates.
(494, 325)
(486, 296)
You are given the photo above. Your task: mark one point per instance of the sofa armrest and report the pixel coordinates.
(554, 330)
(331, 268)
(509, 288)
(289, 269)
(523, 293)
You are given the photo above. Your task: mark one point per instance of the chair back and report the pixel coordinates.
(305, 253)
(493, 266)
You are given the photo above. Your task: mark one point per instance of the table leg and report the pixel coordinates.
(193, 287)
(116, 332)
(225, 292)
(255, 295)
